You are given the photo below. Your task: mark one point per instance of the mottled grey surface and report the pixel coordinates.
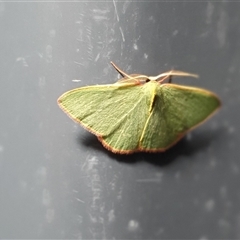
(56, 179)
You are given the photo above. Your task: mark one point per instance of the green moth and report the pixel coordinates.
(138, 112)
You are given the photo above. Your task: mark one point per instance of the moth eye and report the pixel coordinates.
(147, 80)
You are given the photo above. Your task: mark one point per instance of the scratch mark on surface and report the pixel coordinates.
(209, 205)
(111, 216)
(125, 6)
(23, 60)
(222, 27)
(149, 180)
(79, 63)
(175, 32)
(209, 12)
(115, 7)
(133, 225)
(119, 194)
(79, 200)
(135, 46)
(89, 43)
(101, 11)
(76, 80)
(96, 204)
(100, 15)
(100, 18)
(121, 31)
(97, 57)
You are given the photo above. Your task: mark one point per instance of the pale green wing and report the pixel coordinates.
(116, 113)
(177, 109)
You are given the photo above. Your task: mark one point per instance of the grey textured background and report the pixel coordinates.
(56, 179)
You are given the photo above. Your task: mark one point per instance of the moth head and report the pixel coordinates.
(134, 78)
(142, 79)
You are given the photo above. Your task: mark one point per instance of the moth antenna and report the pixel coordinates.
(171, 73)
(119, 70)
(123, 74)
(166, 77)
